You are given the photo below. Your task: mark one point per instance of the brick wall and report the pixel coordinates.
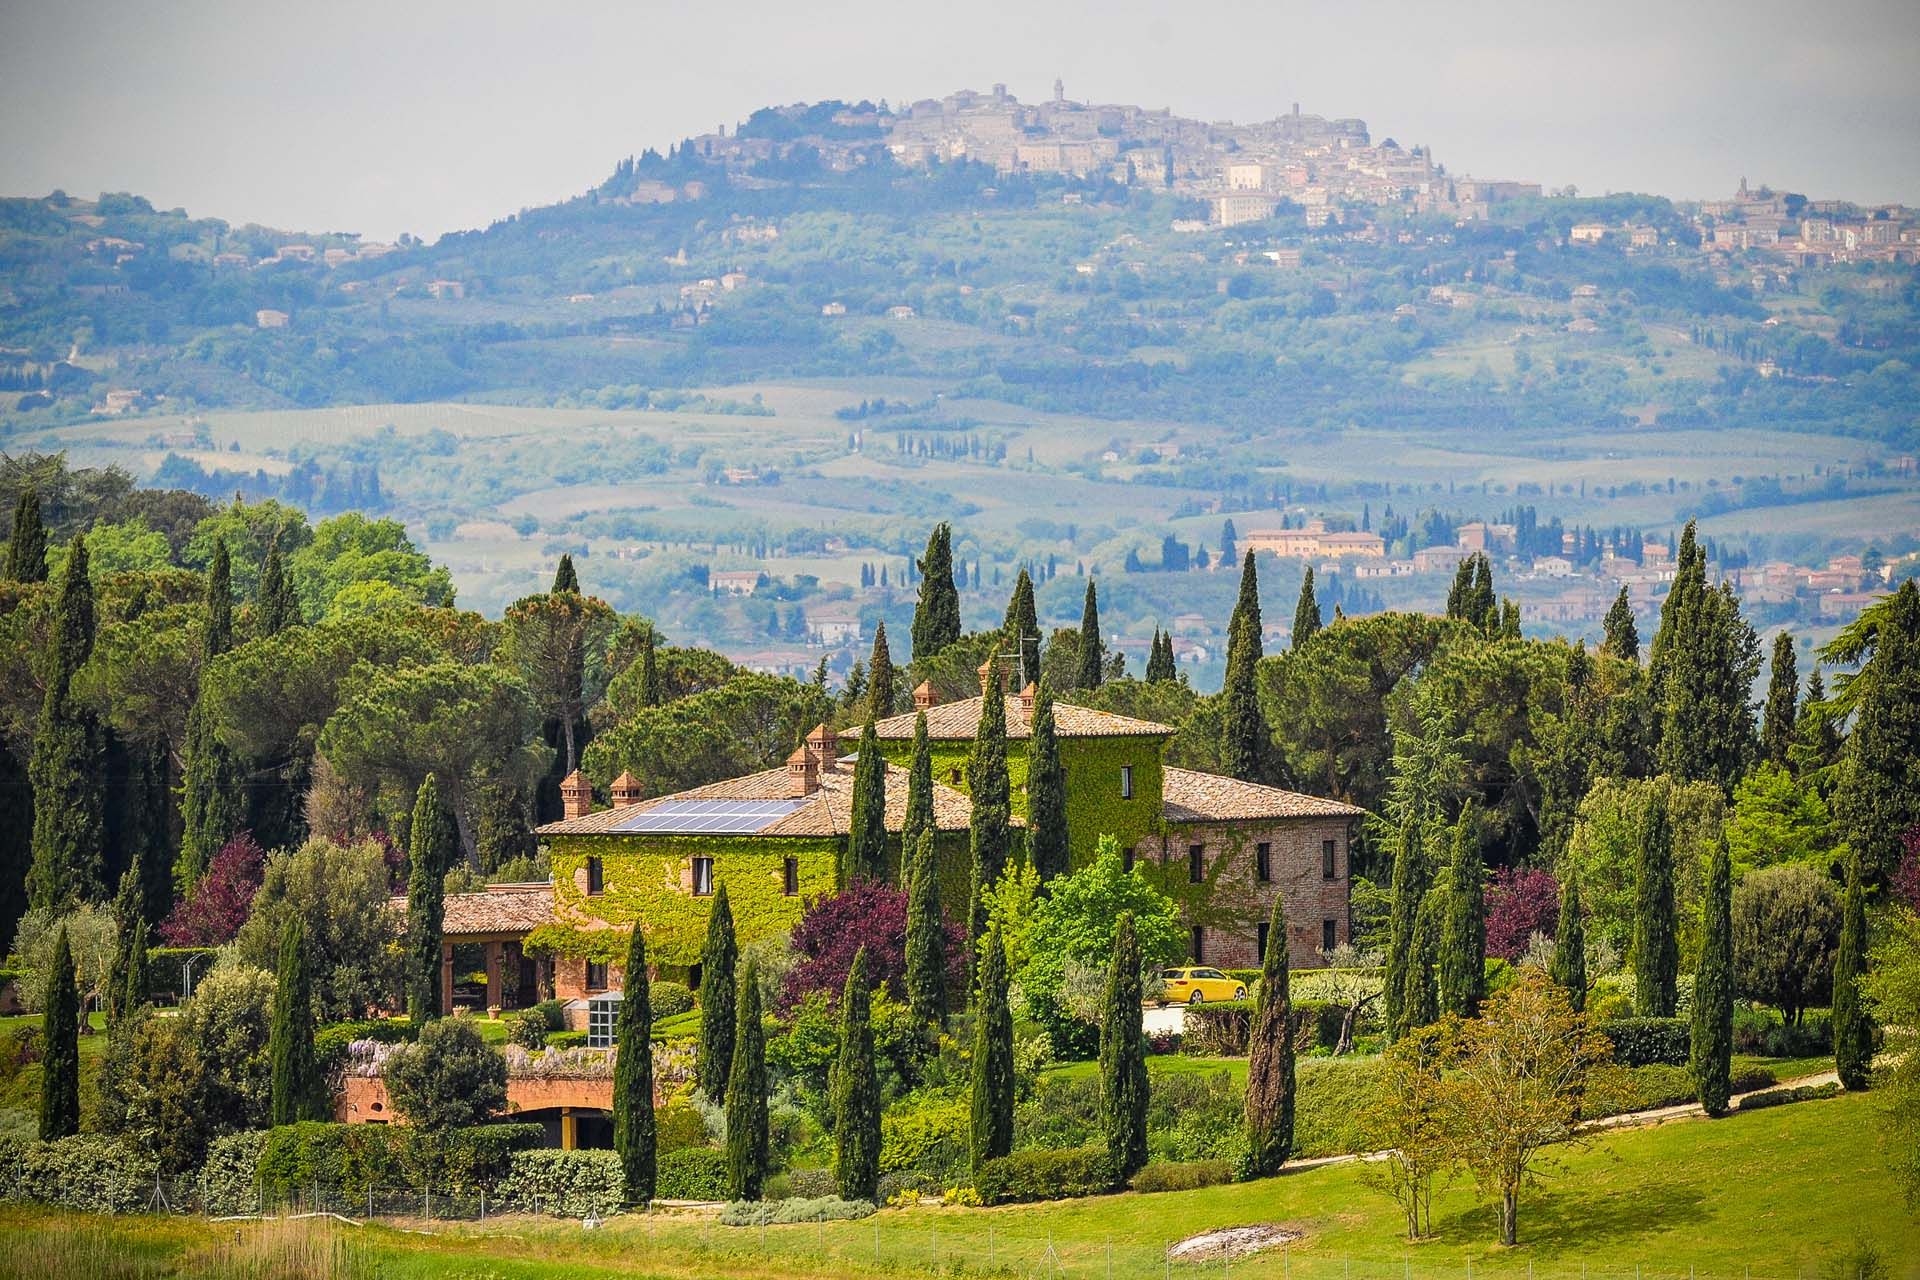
(1231, 904)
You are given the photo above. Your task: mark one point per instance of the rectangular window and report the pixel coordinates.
(1329, 864)
(1260, 944)
(1199, 944)
(791, 871)
(702, 877)
(1329, 934)
(596, 877)
(1263, 866)
(1126, 782)
(1196, 864)
(596, 975)
(1127, 858)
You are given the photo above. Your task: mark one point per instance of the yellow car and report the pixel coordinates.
(1197, 984)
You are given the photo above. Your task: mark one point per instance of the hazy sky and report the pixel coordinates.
(427, 117)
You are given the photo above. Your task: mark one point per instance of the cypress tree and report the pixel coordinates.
(633, 1126)
(1482, 607)
(1622, 638)
(747, 1094)
(1270, 1064)
(564, 577)
(649, 671)
(1712, 1054)
(714, 1067)
(1306, 614)
(279, 606)
(299, 1092)
(992, 1133)
(1023, 628)
(1420, 1005)
(990, 821)
(1244, 748)
(936, 618)
(1878, 794)
(27, 551)
(1852, 1029)
(1817, 745)
(926, 936)
(1707, 729)
(219, 597)
(880, 692)
(1123, 1055)
(1689, 583)
(1247, 603)
(1160, 664)
(135, 994)
(60, 1059)
(433, 845)
(1403, 919)
(919, 816)
(1046, 793)
(128, 905)
(67, 768)
(1570, 944)
(1460, 594)
(1463, 946)
(1093, 650)
(212, 806)
(865, 854)
(1656, 947)
(1782, 708)
(856, 1090)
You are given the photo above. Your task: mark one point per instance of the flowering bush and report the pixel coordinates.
(222, 898)
(865, 914)
(1906, 876)
(1519, 905)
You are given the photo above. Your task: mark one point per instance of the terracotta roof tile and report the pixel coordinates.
(1191, 796)
(961, 719)
(500, 908)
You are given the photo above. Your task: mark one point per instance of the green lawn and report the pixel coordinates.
(20, 1086)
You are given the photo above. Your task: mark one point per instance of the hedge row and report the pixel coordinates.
(85, 1172)
(1046, 1175)
(1641, 1042)
(351, 1159)
(1779, 1097)
(1221, 1029)
(692, 1173)
(565, 1184)
(774, 1213)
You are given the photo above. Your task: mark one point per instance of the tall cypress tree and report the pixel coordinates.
(880, 691)
(1878, 793)
(1570, 944)
(219, 599)
(434, 843)
(990, 821)
(633, 1125)
(1712, 1052)
(1093, 650)
(1420, 1004)
(564, 576)
(992, 1132)
(1817, 745)
(1707, 731)
(856, 1090)
(1046, 793)
(1123, 1055)
(865, 853)
(1782, 708)
(279, 607)
(936, 618)
(1023, 628)
(1852, 1029)
(27, 550)
(135, 994)
(1622, 638)
(68, 769)
(212, 803)
(129, 923)
(926, 936)
(1463, 944)
(1270, 1064)
(1306, 613)
(1244, 746)
(1656, 946)
(1247, 603)
(1160, 665)
(1409, 888)
(60, 1059)
(1689, 583)
(747, 1094)
(298, 1088)
(714, 1066)
(919, 790)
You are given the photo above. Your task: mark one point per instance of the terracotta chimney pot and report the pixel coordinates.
(924, 696)
(625, 790)
(803, 772)
(576, 795)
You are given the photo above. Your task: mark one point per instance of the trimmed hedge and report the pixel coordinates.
(567, 1040)
(929, 1139)
(230, 1178)
(1316, 1023)
(564, 1184)
(670, 999)
(773, 1213)
(1780, 1097)
(85, 1172)
(692, 1173)
(1189, 1175)
(1217, 1029)
(350, 1159)
(1046, 1175)
(1641, 1042)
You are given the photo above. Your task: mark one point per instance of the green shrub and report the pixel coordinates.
(1218, 1029)
(331, 1041)
(230, 1178)
(682, 1026)
(1185, 1175)
(85, 1172)
(1640, 1042)
(692, 1173)
(1064, 1111)
(1046, 1175)
(567, 1040)
(671, 999)
(805, 1184)
(1752, 1078)
(565, 1184)
(1779, 1097)
(773, 1213)
(350, 1159)
(528, 1029)
(1317, 1024)
(1198, 1115)
(677, 1126)
(1811, 1037)
(555, 1012)
(1333, 1098)
(928, 1138)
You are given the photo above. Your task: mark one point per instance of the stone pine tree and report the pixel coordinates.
(865, 853)
(1270, 1064)
(67, 767)
(856, 1090)
(634, 1134)
(1463, 942)
(1409, 890)
(1712, 1052)
(919, 817)
(718, 958)
(880, 691)
(212, 803)
(649, 669)
(1621, 638)
(298, 1088)
(279, 607)
(1852, 1030)
(1782, 707)
(989, 824)
(565, 578)
(60, 1058)
(747, 1135)
(1877, 798)
(1023, 628)
(1306, 614)
(1123, 1055)
(1570, 944)
(1093, 650)
(27, 551)
(926, 936)
(1656, 946)
(936, 617)
(433, 844)
(1046, 793)
(992, 1130)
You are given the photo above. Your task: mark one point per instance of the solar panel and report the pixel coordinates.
(711, 817)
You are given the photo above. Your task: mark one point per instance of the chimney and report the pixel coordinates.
(1026, 703)
(825, 745)
(576, 795)
(988, 670)
(626, 790)
(803, 774)
(924, 696)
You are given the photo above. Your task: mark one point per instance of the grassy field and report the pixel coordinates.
(1768, 1195)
